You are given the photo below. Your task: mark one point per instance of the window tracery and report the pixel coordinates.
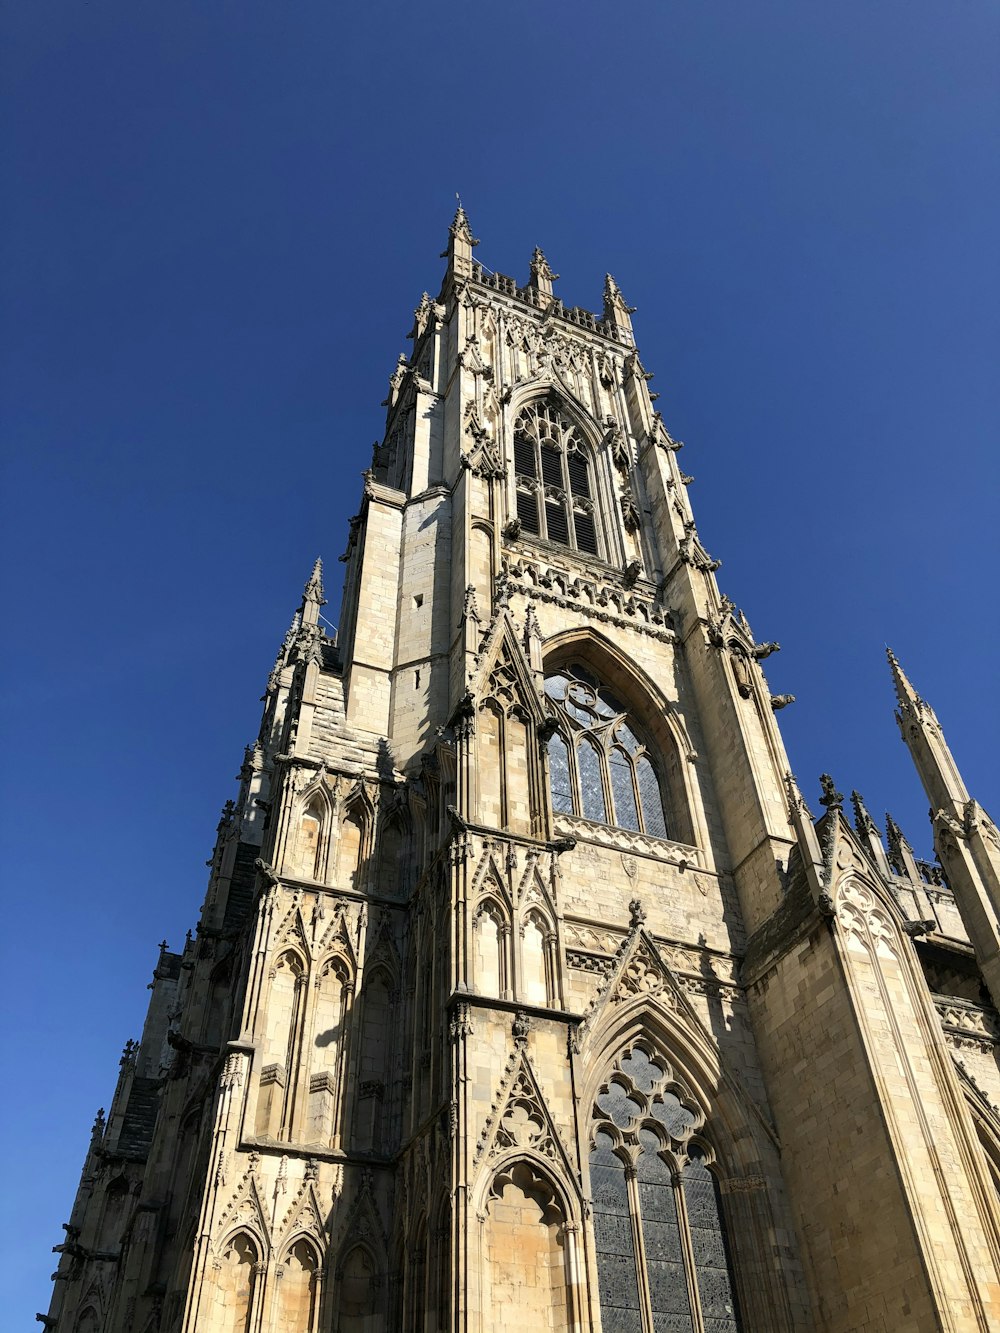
(599, 767)
(554, 485)
(662, 1256)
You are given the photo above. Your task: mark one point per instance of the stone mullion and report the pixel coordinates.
(340, 1088)
(293, 1058)
(687, 1251)
(253, 1009)
(298, 1085)
(506, 938)
(461, 1219)
(639, 1245)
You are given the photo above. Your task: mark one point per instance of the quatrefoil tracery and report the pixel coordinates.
(642, 1097)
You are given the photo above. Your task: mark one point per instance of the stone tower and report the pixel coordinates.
(527, 994)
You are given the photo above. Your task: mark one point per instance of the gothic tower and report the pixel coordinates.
(527, 994)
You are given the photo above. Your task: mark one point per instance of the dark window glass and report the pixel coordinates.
(708, 1243)
(624, 789)
(555, 519)
(524, 457)
(586, 533)
(548, 447)
(552, 466)
(616, 1268)
(668, 1289)
(626, 815)
(591, 782)
(650, 798)
(562, 789)
(579, 478)
(527, 511)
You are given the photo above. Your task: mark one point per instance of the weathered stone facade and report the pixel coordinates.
(527, 995)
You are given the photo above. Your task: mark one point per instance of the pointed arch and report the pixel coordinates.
(668, 750)
(491, 932)
(334, 993)
(396, 870)
(659, 1233)
(528, 1247)
(354, 839)
(283, 1016)
(310, 840)
(297, 1297)
(235, 1280)
(376, 1057)
(359, 1304)
(536, 976)
(554, 450)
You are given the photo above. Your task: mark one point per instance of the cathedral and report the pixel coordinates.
(528, 994)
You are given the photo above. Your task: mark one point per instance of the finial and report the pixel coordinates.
(460, 229)
(863, 821)
(541, 272)
(831, 798)
(636, 913)
(313, 591)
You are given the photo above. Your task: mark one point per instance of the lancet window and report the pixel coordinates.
(662, 1254)
(600, 768)
(553, 478)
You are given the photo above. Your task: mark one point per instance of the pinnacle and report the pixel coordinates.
(897, 838)
(316, 577)
(863, 821)
(460, 226)
(613, 299)
(540, 266)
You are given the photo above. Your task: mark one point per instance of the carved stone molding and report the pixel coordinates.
(624, 840)
(966, 1024)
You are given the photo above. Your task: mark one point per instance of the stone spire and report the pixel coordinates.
(925, 740)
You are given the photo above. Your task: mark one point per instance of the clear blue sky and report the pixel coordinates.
(219, 217)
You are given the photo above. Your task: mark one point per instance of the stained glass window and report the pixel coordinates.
(599, 765)
(552, 478)
(663, 1262)
(562, 791)
(591, 781)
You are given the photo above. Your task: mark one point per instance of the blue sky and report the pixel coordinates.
(219, 217)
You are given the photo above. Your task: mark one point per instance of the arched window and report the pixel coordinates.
(555, 494)
(599, 766)
(662, 1254)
